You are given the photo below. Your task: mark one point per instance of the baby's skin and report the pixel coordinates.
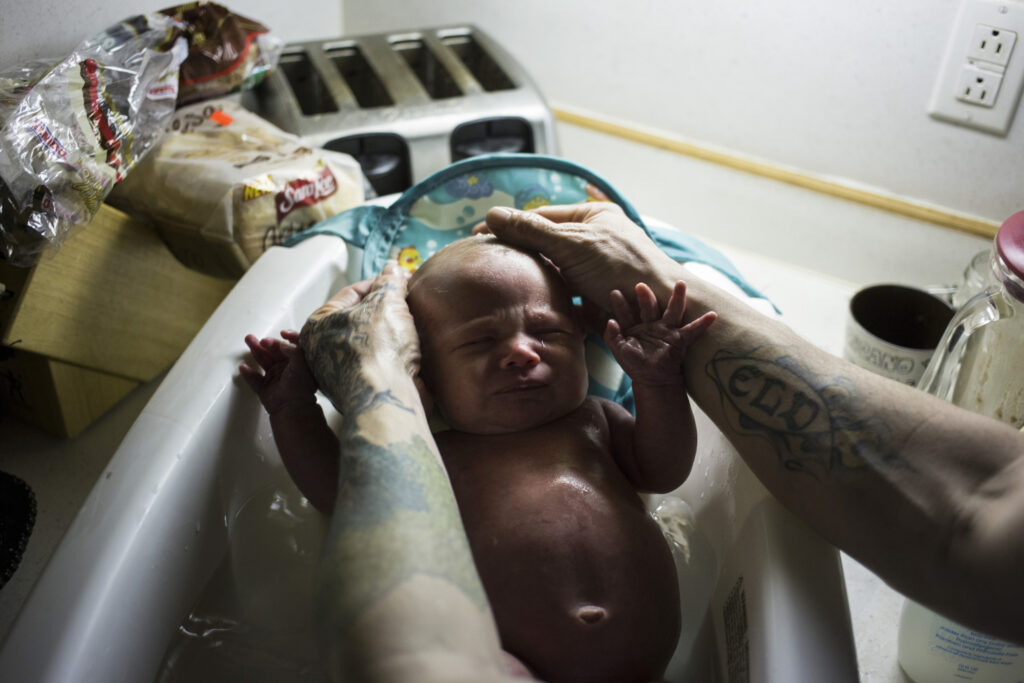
(580, 579)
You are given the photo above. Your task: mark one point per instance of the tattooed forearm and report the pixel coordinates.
(341, 345)
(395, 517)
(815, 425)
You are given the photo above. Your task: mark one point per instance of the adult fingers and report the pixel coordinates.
(560, 213)
(577, 213)
(392, 277)
(523, 228)
(345, 299)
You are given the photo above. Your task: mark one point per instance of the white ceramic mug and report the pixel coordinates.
(892, 330)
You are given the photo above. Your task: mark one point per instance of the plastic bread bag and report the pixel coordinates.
(226, 51)
(224, 185)
(69, 133)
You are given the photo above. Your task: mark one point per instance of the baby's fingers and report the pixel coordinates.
(259, 350)
(694, 330)
(621, 310)
(676, 306)
(252, 377)
(612, 333)
(648, 303)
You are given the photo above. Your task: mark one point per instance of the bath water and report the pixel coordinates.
(253, 619)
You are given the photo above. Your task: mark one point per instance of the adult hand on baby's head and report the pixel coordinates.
(363, 334)
(595, 245)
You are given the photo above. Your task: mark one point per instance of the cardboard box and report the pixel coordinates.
(112, 307)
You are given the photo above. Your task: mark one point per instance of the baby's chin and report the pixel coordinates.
(509, 422)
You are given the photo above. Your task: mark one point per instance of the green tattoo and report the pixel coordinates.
(395, 517)
(813, 423)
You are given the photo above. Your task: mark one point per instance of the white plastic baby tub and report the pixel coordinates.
(763, 597)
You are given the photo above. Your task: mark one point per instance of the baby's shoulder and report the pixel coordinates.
(593, 408)
(605, 407)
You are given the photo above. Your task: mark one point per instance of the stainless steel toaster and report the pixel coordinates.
(408, 103)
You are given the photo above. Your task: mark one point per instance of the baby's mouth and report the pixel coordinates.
(521, 386)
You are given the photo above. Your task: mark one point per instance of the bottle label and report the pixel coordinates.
(971, 650)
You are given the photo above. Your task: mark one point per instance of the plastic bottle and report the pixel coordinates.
(933, 649)
(979, 365)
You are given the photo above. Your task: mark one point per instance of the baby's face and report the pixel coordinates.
(502, 348)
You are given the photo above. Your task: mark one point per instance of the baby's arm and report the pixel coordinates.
(656, 452)
(287, 390)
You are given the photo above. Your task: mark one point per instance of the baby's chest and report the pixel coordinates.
(552, 474)
(577, 442)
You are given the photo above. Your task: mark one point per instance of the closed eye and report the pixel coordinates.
(476, 342)
(551, 332)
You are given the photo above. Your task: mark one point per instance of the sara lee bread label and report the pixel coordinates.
(225, 185)
(304, 192)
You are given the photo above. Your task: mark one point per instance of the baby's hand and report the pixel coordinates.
(651, 349)
(285, 378)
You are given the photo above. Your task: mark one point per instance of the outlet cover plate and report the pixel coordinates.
(945, 103)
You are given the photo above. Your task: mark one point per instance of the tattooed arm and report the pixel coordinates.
(399, 596)
(929, 496)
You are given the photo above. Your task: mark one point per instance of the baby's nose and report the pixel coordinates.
(520, 353)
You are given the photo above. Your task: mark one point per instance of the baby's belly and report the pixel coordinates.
(581, 580)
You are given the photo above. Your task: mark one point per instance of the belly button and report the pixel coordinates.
(591, 614)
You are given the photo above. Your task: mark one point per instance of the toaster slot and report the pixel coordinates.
(505, 135)
(431, 74)
(483, 67)
(362, 80)
(384, 158)
(306, 83)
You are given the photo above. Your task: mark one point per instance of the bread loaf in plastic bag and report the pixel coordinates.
(224, 185)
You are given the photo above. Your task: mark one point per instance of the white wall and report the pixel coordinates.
(831, 88)
(52, 28)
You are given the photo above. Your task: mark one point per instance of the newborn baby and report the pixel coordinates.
(581, 581)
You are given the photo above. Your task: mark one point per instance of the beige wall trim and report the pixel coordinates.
(939, 216)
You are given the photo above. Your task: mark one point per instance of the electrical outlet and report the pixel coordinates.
(991, 44)
(982, 73)
(978, 86)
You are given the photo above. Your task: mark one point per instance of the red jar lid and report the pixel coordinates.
(1010, 243)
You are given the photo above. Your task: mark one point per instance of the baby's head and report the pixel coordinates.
(501, 341)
